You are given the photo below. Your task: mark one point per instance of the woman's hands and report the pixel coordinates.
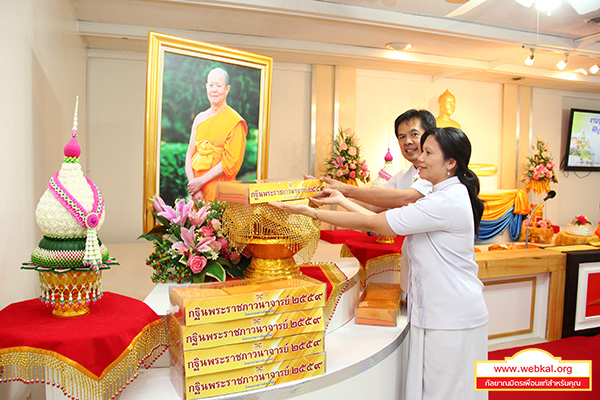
(302, 209)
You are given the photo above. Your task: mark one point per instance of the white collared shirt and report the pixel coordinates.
(409, 178)
(444, 290)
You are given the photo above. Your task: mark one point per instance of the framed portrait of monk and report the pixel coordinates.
(207, 119)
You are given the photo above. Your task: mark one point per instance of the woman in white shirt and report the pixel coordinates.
(446, 307)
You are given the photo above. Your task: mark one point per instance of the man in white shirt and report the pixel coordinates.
(404, 187)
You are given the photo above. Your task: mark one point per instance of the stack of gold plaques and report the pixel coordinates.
(229, 337)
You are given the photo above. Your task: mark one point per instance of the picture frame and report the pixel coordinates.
(176, 92)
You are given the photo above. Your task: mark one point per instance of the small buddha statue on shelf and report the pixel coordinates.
(447, 105)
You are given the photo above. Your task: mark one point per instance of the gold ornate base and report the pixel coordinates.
(266, 268)
(385, 239)
(70, 293)
(271, 258)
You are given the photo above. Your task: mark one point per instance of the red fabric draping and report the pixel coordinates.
(340, 236)
(92, 343)
(317, 273)
(367, 248)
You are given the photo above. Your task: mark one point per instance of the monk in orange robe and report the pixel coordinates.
(217, 141)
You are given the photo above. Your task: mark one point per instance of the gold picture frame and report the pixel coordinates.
(175, 93)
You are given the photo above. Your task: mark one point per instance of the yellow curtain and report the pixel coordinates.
(538, 186)
(498, 204)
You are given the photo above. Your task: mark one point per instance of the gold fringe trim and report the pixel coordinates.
(375, 266)
(338, 280)
(33, 365)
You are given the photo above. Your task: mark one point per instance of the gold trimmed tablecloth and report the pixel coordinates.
(91, 357)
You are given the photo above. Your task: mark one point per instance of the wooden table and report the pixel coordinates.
(510, 263)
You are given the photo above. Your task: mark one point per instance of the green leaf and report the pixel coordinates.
(163, 220)
(199, 278)
(149, 237)
(215, 270)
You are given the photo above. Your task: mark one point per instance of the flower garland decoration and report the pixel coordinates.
(194, 247)
(345, 164)
(540, 223)
(580, 220)
(540, 168)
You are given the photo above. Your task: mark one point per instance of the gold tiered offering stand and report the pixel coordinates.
(70, 293)
(272, 237)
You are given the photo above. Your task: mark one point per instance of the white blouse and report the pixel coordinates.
(444, 291)
(409, 178)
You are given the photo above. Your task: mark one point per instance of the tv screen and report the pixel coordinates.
(583, 141)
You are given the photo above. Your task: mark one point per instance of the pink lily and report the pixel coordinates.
(338, 162)
(158, 203)
(198, 217)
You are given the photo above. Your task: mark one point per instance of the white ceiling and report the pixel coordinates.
(484, 44)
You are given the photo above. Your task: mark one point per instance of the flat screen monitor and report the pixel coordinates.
(583, 141)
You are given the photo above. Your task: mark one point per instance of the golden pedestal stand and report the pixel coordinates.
(272, 236)
(70, 293)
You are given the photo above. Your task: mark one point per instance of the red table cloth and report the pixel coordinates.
(377, 260)
(94, 356)
(339, 236)
(366, 249)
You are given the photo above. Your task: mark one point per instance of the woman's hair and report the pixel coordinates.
(455, 144)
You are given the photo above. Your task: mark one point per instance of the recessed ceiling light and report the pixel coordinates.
(594, 69)
(398, 46)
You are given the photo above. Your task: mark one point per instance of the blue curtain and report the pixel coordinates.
(493, 228)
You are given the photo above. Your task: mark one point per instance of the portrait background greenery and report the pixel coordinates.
(183, 97)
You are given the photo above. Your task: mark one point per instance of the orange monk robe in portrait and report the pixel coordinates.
(220, 139)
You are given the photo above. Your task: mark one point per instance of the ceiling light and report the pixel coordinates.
(398, 46)
(526, 3)
(547, 5)
(594, 69)
(562, 63)
(581, 71)
(529, 60)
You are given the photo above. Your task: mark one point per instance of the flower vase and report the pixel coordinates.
(351, 181)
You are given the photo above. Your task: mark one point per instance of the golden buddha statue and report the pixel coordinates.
(447, 104)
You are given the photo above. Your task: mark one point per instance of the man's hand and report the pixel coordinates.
(328, 196)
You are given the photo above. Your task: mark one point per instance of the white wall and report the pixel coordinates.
(42, 70)
(382, 96)
(577, 192)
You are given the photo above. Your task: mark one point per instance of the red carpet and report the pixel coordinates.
(572, 348)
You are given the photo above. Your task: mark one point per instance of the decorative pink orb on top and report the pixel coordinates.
(388, 156)
(72, 149)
